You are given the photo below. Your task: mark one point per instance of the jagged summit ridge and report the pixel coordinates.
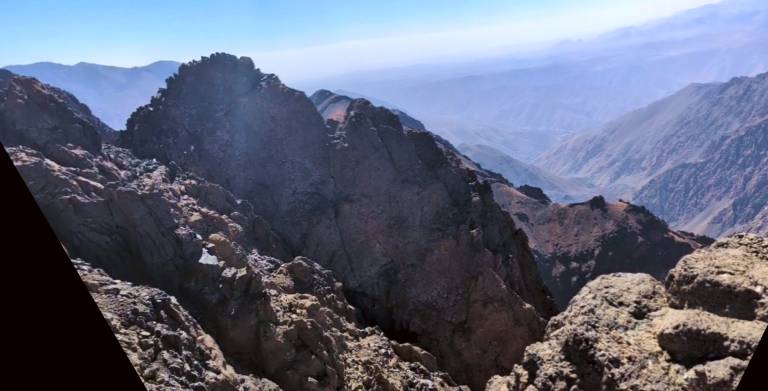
(419, 243)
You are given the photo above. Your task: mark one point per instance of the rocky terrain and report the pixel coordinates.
(696, 158)
(253, 238)
(141, 221)
(576, 243)
(572, 243)
(166, 346)
(418, 242)
(696, 331)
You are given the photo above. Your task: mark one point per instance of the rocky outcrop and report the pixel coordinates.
(274, 316)
(628, 331)
(43, 116)
(576, 243)
(286, 321)
(164, 343)
(418, 241)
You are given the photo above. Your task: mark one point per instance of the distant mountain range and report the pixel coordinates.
(577, 86)
(698, 158)
(558, 188)
(113, 93)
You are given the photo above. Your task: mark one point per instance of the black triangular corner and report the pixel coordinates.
(59, 338)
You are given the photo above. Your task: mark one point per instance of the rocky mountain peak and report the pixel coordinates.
(420, 245)
(34, 113)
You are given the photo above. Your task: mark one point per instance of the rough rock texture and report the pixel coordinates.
(575, 243)
(36, 114)
(167, 347)
(419, 243)
(157, 225)
(729, 278)
(626, 331)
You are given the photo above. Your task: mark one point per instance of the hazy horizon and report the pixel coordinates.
(300, 42)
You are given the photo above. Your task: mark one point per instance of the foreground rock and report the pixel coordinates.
(283, 318)
(418, 241)
(166, 346)
(627, 331)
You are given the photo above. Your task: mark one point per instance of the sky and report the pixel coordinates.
(304, 39)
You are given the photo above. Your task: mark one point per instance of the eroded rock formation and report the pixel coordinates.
(285, 320)
(628, 331)
(166, 346)
(418, 241)
(576, 243)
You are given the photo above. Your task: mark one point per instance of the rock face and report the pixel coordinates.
(576, 243)
(419, 243)
(166, 346)
(627, 331)
(42, 116)
(697, 158)
(285, 320)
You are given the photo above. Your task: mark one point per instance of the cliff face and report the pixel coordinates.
(286, 320)
(417, 240)
(628, 331)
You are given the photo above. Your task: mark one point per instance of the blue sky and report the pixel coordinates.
(298, 37)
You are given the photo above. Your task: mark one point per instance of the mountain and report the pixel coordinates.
(726, 192)
(577, 86)
(558, 188)
(696, 158)
(627, 331)
(419, 244)
(576, 243)
(573, 243)
(113, 93)
(170, 232)
(38, 112)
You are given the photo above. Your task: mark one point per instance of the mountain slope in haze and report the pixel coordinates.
(581, 85)
(696, 158)
(558, 188)
(626, 153)
(727, 192)
(113, 93)
(418, 242)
